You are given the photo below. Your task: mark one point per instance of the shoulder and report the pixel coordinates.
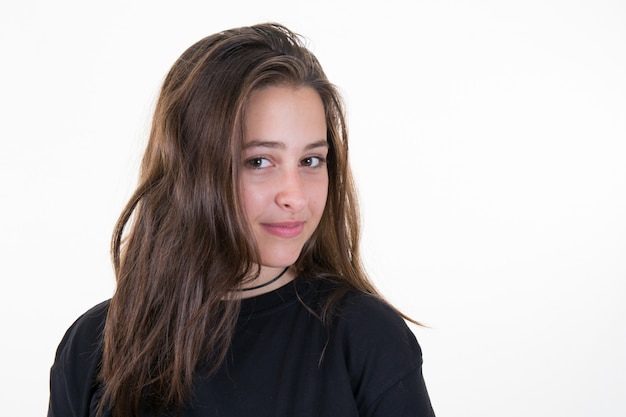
(382, 357)
(86, 332)
(371, 323)
(74, 372)
(360, 314)
(365, 325)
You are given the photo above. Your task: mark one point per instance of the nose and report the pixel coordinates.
(291, 193)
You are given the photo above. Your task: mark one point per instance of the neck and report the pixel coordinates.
(268, 280)
(268, 283)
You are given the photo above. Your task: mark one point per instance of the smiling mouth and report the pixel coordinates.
(286, 229)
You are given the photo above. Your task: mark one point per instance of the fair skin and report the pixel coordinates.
(283, 179)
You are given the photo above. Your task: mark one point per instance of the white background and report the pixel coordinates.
(489, 143)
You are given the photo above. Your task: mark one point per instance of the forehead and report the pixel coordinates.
(282, 114)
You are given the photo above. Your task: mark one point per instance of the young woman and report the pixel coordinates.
(240, 290)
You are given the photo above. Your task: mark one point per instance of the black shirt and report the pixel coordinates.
(282, 362)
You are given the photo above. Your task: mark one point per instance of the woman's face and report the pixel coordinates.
(284, 179)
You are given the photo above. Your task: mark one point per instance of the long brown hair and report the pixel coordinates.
(182, 243)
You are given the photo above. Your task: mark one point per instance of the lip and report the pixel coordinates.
(284, 229)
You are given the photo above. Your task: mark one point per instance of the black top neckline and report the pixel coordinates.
(275, 300)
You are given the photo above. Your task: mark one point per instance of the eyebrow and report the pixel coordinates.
(280, 145)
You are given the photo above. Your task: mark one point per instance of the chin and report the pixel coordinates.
(275, 262)
(280, 260)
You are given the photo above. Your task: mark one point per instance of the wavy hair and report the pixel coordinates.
(182, 243)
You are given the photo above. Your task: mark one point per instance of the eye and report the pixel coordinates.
(312, 161)
(258, 162)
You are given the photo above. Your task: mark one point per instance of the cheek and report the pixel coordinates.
(252, 201)
(321, 195)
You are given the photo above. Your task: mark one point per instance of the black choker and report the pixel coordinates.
(267, 283)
